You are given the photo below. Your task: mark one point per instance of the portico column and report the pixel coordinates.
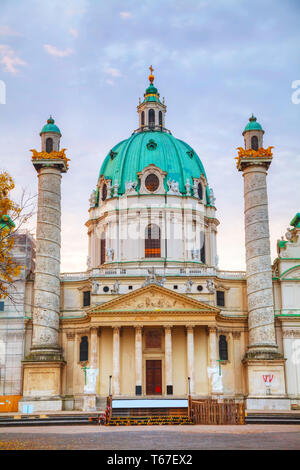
(190, 357)
(92, 372)
(212, 345)
(116, 360)
(138, 360)
(168, 360)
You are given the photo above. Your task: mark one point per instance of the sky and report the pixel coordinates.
(86, 62)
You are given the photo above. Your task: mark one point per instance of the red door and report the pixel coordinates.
(153, 377)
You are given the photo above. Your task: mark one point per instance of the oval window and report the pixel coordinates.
(152, 182)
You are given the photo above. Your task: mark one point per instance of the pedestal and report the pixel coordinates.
(42, 386)
(262, 396)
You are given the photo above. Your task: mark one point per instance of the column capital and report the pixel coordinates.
(236, 334)
(116, 327)
(168, 326)
(138, 327)
(211, 329)
(190, 327)
(70, 335)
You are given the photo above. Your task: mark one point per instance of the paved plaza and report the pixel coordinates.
(276, 437)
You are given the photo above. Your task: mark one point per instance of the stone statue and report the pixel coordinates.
(130, 187)
(210, 286)
(215, 379)
(189, 286)
(188, 187)
(91, 379)
(95, 287)
(110, 254)
(161, 281)
(116, 288)
(196, 254)
(88, 262)
(212, 198)
(195, 189)
(152, 279)
(92, 199)
(116, 188)
(109, 189)
(173, 187)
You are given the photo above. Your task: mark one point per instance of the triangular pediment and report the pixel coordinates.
(153, 298)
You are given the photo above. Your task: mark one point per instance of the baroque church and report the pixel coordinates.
(153, 316)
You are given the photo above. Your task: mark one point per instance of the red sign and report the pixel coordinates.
(268, 378)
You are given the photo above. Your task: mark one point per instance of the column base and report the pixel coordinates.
(268, 403)
(266, 380)
(86, 402)
(42, 385)
(263, 352)
(35, 405)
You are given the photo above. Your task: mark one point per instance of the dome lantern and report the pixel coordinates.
(50, 136)
(151, 110)
(253, 134)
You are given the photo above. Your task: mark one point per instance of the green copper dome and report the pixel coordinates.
(163, 150)
(253, 125)
(50, 127)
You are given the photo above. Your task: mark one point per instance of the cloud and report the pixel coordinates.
(9, 59)
(7, 31)
(52, 50)
(73, 32)
(125, 15)
(113, 72)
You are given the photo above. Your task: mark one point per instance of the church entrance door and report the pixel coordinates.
(153, 377)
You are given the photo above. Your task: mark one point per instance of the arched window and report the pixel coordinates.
(200, 191)
(151, 117)
(104, 192)
(152, 241)
(102, 248)
(202, 247)
(49, 145)
(160, 118)
(254, 142)
(84, 349)
(143, 118)
(223, 348)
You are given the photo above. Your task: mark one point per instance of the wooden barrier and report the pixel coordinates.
(9, 403)
(214, 412)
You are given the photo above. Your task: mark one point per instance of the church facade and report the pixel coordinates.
(153, 315)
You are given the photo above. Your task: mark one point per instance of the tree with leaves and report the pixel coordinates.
(12, 217)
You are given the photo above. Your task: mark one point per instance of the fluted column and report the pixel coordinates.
(258, 261)
(190, 356)
(138, 360)
(47, 270)
(168, 360)
(116, 361)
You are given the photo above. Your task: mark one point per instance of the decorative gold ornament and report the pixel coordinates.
(250, 153)
(50, 156)
(151, 76)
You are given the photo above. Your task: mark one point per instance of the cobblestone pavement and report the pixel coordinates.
(154, 437)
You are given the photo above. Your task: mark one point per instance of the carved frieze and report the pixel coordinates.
(291, 333)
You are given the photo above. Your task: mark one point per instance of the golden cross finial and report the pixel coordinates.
(151, 69)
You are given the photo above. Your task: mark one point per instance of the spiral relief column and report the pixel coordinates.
(42, 368)
(262, 358)
(47, 270)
